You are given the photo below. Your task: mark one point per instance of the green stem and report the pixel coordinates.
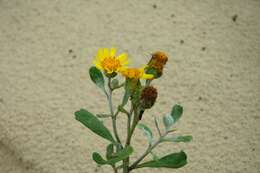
(115, 169)
(109, 96)
(128, 139)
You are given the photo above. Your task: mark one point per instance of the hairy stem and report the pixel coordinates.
(109, 97)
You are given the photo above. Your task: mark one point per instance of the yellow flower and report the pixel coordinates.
(108, 61)
(135, 73)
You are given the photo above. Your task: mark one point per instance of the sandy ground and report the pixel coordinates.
(46, 48)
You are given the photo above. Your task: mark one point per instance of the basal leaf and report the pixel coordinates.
(94, 124)
(175, 160)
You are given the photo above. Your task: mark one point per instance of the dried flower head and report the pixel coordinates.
(108, 61)
(148, 97)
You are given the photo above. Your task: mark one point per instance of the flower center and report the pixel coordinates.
(111, 64)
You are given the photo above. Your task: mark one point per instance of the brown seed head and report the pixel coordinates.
(148, 97)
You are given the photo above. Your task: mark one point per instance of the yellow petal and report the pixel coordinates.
(124, 62)
(100, 55)
(105, 52)
(147, 76)
(112, 52)
(122, 57)
(97, 64)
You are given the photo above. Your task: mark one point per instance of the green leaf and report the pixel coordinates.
(146, 131)
(97, 77)
(110, 151)
(136, 93)
(121, 155)
(176, 113)
(168, 121)
(174, 160)
(127, 92)
(155, 157)
(187, 138)
(98, 158)
(94, 124)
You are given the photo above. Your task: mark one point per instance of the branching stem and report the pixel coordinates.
(148, 150)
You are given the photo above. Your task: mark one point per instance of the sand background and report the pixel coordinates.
(213, 71)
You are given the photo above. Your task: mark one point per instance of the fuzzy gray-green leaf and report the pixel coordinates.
(147, 132)
(168, 121)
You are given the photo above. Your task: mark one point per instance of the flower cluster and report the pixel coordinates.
(107, 61)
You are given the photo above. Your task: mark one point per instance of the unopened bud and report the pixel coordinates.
(156, 64)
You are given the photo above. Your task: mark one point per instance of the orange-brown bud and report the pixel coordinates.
(157, 62)
(148, 97)
(159, 58)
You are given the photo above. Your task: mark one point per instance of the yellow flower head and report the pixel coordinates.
(135, 73)
(108, 61)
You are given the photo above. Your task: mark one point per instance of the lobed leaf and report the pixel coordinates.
(174, 160)
(94, 124)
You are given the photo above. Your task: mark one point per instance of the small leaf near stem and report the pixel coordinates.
(119, 156)
(97, 77)
(157, 126)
